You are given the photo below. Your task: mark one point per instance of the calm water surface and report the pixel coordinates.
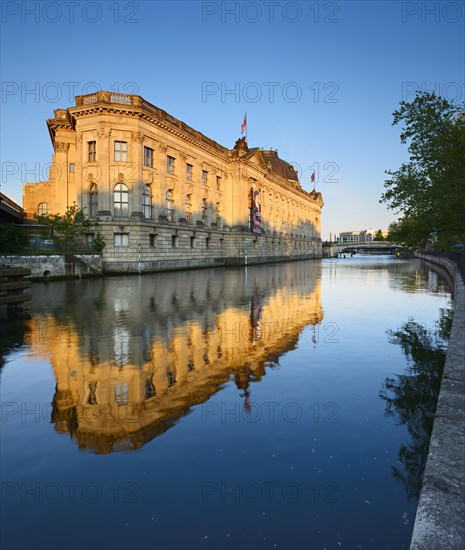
(267, 408)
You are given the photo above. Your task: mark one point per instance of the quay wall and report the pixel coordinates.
(440, 518)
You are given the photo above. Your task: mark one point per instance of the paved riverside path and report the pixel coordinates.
(440, 518)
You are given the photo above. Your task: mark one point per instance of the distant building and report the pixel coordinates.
(362, 236)
(163, 195)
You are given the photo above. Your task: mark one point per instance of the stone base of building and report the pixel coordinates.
(143, 247)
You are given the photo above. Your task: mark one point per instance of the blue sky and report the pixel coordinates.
(319, 80)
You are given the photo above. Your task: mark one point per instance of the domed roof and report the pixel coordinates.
(279, 166)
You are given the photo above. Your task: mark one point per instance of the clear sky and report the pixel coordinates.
(319, 80)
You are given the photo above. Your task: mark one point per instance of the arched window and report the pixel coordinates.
(147, 202)
(188, 204)
(43, 209)
(121, 200)
(169, 201)
(93, 200)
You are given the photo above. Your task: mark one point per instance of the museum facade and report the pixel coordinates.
(162, 195)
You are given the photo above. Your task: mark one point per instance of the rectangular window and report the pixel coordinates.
(121, 239)
(121, 392)
(189, 172)
(92, 399)
(148, 157)
(174, 241)
(121, 151)
(170, 165)
(208, 242)
(149, 388)
(91, 151)
(218, 183)
(153, 240)
(192, 242)
(204, 177)
(71, 168)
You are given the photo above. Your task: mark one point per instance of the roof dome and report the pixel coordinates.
(279, 166)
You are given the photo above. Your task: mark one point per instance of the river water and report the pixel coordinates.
(285, 406)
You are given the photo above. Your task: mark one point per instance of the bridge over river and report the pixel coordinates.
(332, 250)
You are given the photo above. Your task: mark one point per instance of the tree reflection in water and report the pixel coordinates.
(413, 396)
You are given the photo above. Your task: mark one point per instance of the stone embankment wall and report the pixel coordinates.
(55, 265)
(440, 519)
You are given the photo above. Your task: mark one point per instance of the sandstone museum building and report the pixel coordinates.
(162, 195)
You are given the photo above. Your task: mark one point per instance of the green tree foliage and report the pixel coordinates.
(13, 239)
(429, 190)
(98, 243)
(70, 226)
(379, 236)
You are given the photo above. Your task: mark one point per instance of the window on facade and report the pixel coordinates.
(149, 388)
(121, 151)
(204, 177)
(91, 151)
(192, 242)
(170, 164)
(71, 168)
(148, 157)
(174, 241)
(171, 376)
(43, 209)
(218, 183)
(121, 200)
(189, 171)
(92, 399)
(147, 202)
(169, 202)
(208, 241)
(121, 239)
(153, 239)
(93, 200)
(121, 392)
(218, 212)
(188, 208)
(204, 210)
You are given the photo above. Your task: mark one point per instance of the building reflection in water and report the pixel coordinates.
(132, 356)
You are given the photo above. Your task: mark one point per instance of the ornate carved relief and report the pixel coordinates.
(137, 137)
(61, 146)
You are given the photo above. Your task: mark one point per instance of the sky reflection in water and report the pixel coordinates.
(219, 408)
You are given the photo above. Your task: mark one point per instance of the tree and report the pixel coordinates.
(379, 236)
(70, 226)
(98, 243)
(13, 239)
(429, 190)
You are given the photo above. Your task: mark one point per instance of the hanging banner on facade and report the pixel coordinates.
(256, 212)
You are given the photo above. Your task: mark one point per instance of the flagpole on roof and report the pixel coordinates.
(246, 126)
